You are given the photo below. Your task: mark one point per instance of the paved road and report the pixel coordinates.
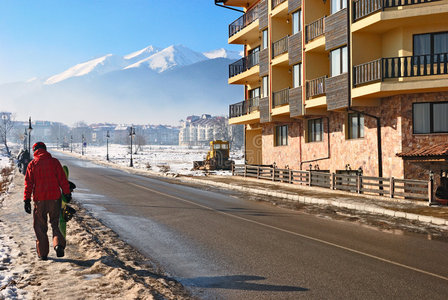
(222, 246)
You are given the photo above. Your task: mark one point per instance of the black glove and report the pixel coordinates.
(72, 186)
(68, 197)
(28, 206)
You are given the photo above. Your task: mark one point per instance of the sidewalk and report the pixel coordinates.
(400, 208)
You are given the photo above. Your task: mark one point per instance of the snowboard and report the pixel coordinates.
(66, 211)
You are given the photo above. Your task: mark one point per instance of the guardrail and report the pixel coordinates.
(315, 29)
(280, 46)
(244, 64)
(246, 19)
(364, 8)
(315, 87)
(381, 186)
(404, 66)
(276, 3)
(280, 98)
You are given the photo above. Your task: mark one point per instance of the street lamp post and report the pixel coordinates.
(82, 145)
(131, 134)
(57, 143)
(71, 143)
(30, 128)
(24, 139)
(107, 145)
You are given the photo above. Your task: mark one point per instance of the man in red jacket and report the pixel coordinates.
(44, 179)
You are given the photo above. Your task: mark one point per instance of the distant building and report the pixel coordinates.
(197, 131)
(161, 134)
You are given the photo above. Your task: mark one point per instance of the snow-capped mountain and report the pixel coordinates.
(223, 53)
(141, 54)
(151, 57)
(169, 58)
(96, 66)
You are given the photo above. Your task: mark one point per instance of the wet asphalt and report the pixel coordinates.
(221, 245)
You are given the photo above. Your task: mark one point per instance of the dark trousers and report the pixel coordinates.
(41, 210)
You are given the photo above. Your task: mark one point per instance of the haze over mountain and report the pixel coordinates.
(151, 85)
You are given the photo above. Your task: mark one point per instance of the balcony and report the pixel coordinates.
(245, 21)
(245, 112)
(276, 3)
(394, 75)
(280, 98)
(315, 87)
(314, 30)
(364, 8)
(237, 69)
(280, 47)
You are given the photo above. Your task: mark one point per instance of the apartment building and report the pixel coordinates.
(343, 85)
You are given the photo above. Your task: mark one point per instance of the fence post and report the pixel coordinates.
(392, 187)
(290, 176)
(245, 170)
(359, 183)
(309, 178)
(273, 174)
(258, 172)
(430, 188)
(333, 181)
(233, 169)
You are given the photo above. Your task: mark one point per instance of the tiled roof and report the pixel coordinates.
(432, 150)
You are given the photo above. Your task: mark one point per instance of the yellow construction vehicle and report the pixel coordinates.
(217, 157)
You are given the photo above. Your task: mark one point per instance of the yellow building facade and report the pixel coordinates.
(342, 85)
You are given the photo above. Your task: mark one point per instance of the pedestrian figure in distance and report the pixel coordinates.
(44, 180)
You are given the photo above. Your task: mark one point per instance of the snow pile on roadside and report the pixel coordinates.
(174, 160)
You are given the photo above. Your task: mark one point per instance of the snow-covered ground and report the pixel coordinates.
(8, 248)
(161, 159)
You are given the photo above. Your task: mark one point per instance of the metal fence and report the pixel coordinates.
(381, 186)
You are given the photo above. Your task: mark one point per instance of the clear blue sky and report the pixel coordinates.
(44, 37)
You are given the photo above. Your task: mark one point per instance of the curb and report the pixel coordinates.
(311, 200)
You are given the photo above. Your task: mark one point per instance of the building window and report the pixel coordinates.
(337, 5)
(265, 86)
(281, 135)
(315, 130)
(430, 117)
(255, 93)
(430, 43)
(338, 59)
(355, 125)
(297, 75)
(265, 39)
(296, 22)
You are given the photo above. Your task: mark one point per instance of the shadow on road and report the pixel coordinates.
(238, 282)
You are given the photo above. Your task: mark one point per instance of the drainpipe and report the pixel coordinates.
(349, 93)
(328, 146)
(220, 5)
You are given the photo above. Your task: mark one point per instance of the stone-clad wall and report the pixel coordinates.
(396, 133)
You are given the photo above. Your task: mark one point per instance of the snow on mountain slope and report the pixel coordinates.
(168, 58)
(223, 53)
(141, 54)
(99, 65)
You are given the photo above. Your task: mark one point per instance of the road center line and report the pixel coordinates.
(295, 233)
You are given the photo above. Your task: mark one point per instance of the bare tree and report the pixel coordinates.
(6, 126)
(140, 141)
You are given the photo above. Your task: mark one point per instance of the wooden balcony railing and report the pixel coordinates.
(246, 19)
(363, 8)
(280, 47)
(368, 72)
(254, 104)
(315, 29)
(280, 98)
(244, 64)
(276, 3)
(397, 67)
(244, 107)
(315, 87)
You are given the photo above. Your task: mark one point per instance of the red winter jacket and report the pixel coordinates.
(45, 178)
